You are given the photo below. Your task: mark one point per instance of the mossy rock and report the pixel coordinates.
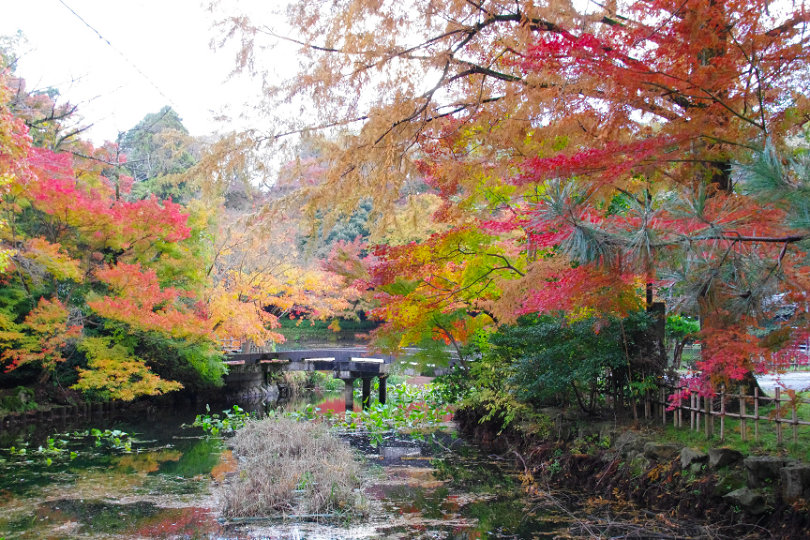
(729, 480)
(20, 399)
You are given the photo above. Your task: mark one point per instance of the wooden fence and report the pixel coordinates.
(710, 413)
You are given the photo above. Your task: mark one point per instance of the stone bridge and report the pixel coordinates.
(345, 364)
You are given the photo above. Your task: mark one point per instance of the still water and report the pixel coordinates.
(161, 480)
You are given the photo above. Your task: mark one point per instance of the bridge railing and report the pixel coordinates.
(231, 345)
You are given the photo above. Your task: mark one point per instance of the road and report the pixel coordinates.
(795, 380)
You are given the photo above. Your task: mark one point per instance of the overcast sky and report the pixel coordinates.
(158, 55)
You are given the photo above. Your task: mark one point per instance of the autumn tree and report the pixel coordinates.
(596, 141)
(102, 291)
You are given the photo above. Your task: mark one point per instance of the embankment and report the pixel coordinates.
(742, 496)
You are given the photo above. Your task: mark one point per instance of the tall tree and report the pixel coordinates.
(596, 140)
(159, 146)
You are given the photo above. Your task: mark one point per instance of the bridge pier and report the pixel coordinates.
(346, 364)
(348, 393)
(383, 387)
(366, 392)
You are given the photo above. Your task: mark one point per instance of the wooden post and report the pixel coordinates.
(795, 426)
(756, 414)
(348, 394)
(679, 410)
(778, 400)
(662, 401)
(723, 414)
(383, 388)
(366, 400)
(694, 422)
(707, 411)
(743, 412)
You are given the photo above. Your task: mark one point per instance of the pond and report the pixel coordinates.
(147, 476)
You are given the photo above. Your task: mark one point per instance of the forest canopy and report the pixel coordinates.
(590, 159)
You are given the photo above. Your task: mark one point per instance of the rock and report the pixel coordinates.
(660, 452)
(729, 479)
(630, 441)
(795, 482)
(764, 470)
(638, 464)
(746, 499)
(723, 457)
(690, 456)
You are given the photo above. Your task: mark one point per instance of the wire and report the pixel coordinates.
(121, 54)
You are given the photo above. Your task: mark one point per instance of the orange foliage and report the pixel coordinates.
(41, 337)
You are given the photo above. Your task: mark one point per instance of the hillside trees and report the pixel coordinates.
(100, 291)
(593, 144)
(158, 150)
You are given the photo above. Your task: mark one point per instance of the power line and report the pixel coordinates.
(121, 54)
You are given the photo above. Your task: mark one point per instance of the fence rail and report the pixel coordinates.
(711, 413)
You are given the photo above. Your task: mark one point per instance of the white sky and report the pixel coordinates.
(166, 40)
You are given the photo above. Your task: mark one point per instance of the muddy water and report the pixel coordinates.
(162, 482)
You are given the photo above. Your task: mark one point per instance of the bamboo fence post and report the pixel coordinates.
(662, 403)
(778, 416)
(756, 414)
(795, 425)
(695, 416)
(707, 412)
(676, 414)
(723, 414)
(742, 415)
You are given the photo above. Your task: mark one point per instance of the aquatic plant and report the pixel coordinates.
(114, 439)
(225, 424)
(291, 467)
(411, 410)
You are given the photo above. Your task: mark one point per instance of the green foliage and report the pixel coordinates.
(680, 326)
(157, 146)
(556, 359)
(225, 424)
(413, 410)
(20, 399)
(113, 439)
(323, 381)
(549, 360)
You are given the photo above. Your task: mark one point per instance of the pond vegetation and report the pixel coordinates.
(332, 475)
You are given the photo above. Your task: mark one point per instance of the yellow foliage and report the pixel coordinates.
(53, 259)
(117, 374)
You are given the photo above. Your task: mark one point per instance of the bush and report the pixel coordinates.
(558, 361)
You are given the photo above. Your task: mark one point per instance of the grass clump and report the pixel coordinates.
(291, 468)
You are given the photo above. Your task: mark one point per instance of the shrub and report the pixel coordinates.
(291, 467)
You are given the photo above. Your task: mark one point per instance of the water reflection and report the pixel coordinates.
(166, 488)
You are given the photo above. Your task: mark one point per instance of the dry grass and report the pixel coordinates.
(288, 467)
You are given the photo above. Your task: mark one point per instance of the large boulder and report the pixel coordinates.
(746, 499)
(795, 482)
(690, 456)
(763, 471)
(629, 442)
(660, 452)
(723, 457)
